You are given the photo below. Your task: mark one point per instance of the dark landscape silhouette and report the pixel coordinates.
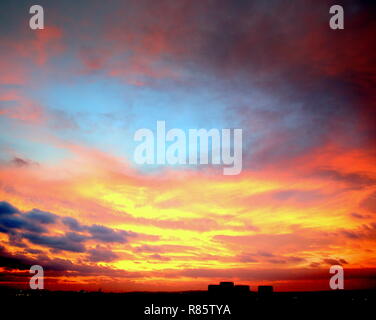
(242, 300)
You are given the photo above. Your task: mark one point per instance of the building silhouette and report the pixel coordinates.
(228, 288)
(265, 290)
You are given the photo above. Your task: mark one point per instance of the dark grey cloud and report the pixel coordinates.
(76, 237)
(98, 232)
(56, 266)
(11, 219)
(9, 224)
(101, 255)
(105, 234)
(66, 243)
(7, 208)
(73, 224)
(42, 217)
(32, 226)
(15, 239)
(33, 251)
(9, 261)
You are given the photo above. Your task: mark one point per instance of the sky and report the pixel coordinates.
(73, 94)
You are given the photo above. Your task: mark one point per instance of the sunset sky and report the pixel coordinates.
(73, 94)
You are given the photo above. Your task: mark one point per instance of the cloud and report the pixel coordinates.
(57, 267)
(10, 261)
(9, 224)
(148, 248)
(300, 240)
(167, 248)
(356, 180)
(247, 258)
(281, 196)
(33, 251)
(264, 257)
(32, 226)
(6, 208)
(359, 216)
(265, 254)
(70, 242)
(363, 232)
(19, 162)
(369, 203)
(40, 216)
(54, 267)
(334, 261)
(100, 254)
(273, 274)
(11, 219)
(73, 224)
(159, 257)
(105, 234)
